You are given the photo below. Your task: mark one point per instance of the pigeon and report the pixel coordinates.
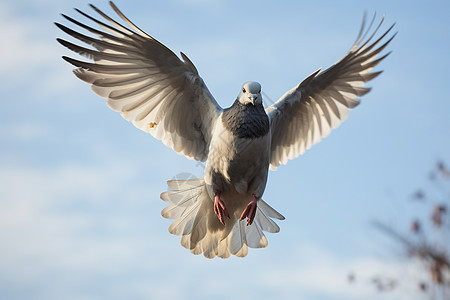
(223, 213)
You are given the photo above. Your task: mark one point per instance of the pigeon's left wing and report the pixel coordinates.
(308, 112)
(147, 83)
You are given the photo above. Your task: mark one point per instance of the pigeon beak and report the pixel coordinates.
(253, 98)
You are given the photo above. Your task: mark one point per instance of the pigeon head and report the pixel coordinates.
(250, 93)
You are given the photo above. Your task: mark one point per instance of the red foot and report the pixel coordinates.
(220, 209)
(250, 211)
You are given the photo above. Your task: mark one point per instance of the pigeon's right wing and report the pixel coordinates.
(146, 82)
(308, 112)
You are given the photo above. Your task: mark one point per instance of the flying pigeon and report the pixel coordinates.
(222, 213)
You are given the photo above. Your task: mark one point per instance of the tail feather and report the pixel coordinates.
(177, 210)
(269, 211)
(212, 249)
(201, 231)
(255, 236)
(204, 244)
(184, 224)
(223, 249)
(238, 239)
(183, 185)
(264, 215)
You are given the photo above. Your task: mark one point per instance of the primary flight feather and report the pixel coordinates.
(222, 213)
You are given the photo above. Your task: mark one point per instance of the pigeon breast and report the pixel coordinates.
(246, 121)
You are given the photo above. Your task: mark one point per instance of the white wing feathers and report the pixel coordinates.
(147, 83)
(308, 112)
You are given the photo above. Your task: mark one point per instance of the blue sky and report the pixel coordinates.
(79, 186)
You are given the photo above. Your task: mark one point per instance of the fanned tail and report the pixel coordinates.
(201, 231)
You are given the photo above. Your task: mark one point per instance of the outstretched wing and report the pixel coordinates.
(146, 82)
(308, 112)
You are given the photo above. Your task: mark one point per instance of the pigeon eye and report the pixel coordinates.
(243, 90)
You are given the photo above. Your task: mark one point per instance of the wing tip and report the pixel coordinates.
(62, 42)
(189, 63)
(70, 60)
(112, 5)
(308, 79)
(67, 59)
(59, 25)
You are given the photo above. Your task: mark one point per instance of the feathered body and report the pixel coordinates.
(165, 96)
(236, 168)
(239, 150)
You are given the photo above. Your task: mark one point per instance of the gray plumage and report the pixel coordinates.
(246, 121)
(223, 213)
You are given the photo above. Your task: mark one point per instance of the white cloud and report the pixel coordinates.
(58, 219)
(76, 225)
(99, 224)
(315, 271)
(26, 47)
(31, 55)
(24, 132)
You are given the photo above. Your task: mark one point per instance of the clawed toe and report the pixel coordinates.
(250, 211)
(220, 209)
